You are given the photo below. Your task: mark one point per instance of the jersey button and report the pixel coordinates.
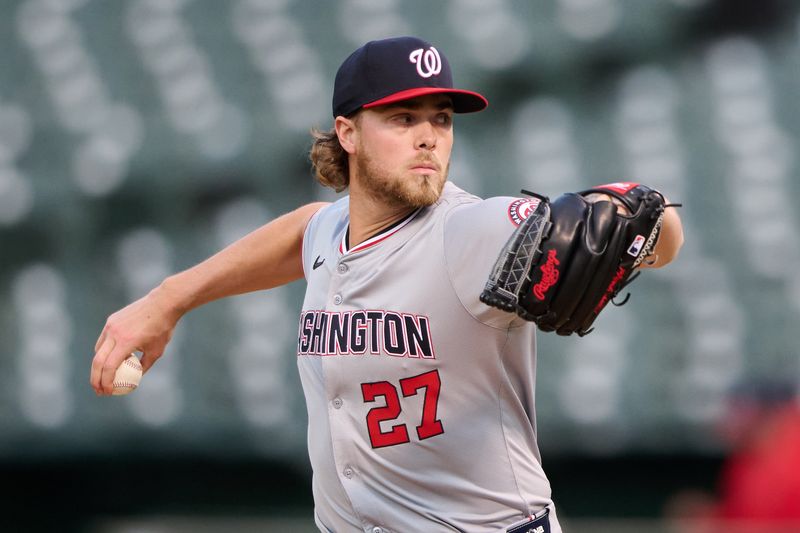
(337, 403)
(337, 299)
(342, 268)
(376, 529)
(348, 472)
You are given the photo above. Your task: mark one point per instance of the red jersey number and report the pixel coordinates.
(429, 426)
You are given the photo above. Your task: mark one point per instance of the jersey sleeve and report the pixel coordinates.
(321, 230)
(474, 235)
(309, 236)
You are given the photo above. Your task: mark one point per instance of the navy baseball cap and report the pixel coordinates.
(391, 70)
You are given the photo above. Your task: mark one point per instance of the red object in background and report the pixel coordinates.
(761, 481)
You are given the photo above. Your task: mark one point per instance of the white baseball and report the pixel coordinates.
(128, 376)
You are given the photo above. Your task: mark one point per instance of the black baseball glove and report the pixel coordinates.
(572, 256)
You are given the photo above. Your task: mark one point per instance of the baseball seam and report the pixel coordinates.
(133, 364)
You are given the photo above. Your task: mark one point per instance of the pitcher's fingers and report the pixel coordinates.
(99, 360)
(100, 339)
(115, 358)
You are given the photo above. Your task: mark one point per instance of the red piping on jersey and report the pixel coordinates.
(375, 239)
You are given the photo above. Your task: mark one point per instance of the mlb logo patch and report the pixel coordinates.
(636, 246)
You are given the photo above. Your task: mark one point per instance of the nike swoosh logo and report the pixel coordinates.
(318, 263)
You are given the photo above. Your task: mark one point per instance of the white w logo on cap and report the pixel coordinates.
(428, 62)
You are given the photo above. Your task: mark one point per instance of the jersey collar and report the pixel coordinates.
(378, 237)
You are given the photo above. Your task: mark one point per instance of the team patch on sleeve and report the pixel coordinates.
(521, 208)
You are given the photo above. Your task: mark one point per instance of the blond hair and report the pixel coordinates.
(329, 160)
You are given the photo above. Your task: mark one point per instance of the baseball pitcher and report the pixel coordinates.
(416, 342)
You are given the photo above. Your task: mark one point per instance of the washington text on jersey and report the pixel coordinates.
(362, 331)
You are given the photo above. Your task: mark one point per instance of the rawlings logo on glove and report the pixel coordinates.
(549, 275)
(572, 256)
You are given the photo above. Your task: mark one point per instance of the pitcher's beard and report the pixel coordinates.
(396, 189)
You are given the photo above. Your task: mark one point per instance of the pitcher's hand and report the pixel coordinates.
(145, 325)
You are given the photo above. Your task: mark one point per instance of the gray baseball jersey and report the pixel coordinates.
(420, 398)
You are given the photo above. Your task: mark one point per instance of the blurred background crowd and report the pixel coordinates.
(138, 137)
